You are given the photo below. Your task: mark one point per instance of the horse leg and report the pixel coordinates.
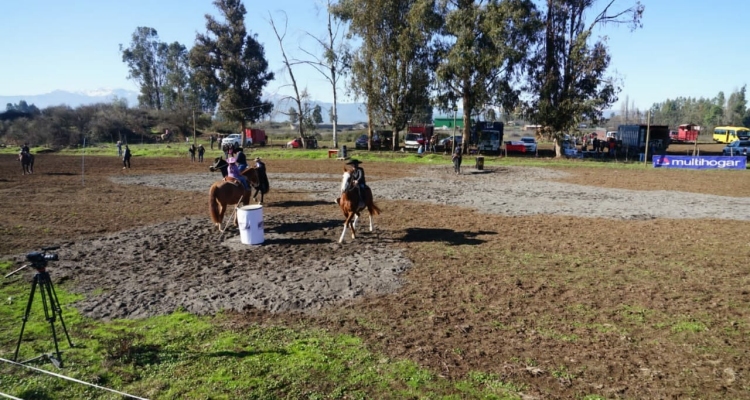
(370, 214)
(347, 223)
(341, 239)
(356, 218)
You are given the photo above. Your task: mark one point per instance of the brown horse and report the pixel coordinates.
(351, 204)
(261, 186)
(226, 192)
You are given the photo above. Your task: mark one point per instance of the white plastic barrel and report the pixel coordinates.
(250, 220)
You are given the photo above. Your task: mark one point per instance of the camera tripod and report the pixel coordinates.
(50, 303)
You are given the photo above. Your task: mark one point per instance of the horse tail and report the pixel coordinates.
(213, 207)
(371, 207)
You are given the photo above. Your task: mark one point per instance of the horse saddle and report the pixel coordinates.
(233, 181)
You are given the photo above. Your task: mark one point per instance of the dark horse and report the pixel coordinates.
(351, 204)
(27, 162)
(226, 192)
(261, 185)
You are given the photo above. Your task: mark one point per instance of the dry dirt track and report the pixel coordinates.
(138, 243)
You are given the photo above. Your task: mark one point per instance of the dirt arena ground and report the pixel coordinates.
(558, 279)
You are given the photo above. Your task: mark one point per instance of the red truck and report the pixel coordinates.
(256, 136)
(685, 133)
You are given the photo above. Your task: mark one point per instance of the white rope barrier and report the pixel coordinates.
(7, 396)
(70, 379)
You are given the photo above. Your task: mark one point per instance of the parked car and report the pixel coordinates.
(529, 143)
(447, 143)
(412, 141)
(296, 143)
(232, 139)
(737, 148)
(361, 142)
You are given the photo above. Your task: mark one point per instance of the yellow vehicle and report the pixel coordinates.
(728, 134)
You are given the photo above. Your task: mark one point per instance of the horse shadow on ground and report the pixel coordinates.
(301, 203)
(297, 227)
(60, 173)
(448, 236)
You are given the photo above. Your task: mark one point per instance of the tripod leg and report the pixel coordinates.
(26, 314)
(49, 314)
(58, 309)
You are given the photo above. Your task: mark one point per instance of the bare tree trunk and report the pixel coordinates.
(288, 66)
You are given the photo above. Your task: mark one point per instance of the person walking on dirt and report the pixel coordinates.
(201, 150)
(456, 158)
(191, 150)
(119, 148)
(126, 158)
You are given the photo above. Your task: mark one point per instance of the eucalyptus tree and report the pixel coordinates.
(145, 61)
(230, 64)
(482, 52)
(569, 81)
(391, 69)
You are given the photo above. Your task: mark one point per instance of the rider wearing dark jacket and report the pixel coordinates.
(263, 184)
(358, 174)
(241, 159)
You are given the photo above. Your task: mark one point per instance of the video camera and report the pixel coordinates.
(39, 259)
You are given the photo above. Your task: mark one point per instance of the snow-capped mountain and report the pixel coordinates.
(73, 99)
(349, 113)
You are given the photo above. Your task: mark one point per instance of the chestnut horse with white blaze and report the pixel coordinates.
(351, 204)
(229, 191)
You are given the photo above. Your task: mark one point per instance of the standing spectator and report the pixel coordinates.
(126, 158)
(201, 150)
(191, 150)
(119, 148)
(433, 143)
(211, 140)
(456, 158)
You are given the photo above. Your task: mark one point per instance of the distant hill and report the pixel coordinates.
(72, 99)
(349, 113)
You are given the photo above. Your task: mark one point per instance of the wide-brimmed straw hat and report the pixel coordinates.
(257, 158)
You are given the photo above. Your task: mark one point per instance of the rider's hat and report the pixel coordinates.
(257, 158)
(231, 160)
(353, 161)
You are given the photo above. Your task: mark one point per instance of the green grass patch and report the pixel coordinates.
(186, 356)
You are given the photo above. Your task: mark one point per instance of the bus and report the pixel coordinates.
(728, 134)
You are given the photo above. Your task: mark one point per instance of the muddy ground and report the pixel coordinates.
(563, 280)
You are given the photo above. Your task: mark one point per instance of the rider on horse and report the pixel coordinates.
(25, 148)
(241, 159)
(235, 172)
(357, 178)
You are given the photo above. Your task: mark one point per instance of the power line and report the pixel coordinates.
(70, 379)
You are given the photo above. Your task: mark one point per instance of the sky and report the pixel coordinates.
(52, 45)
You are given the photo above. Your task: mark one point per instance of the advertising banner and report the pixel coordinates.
(701, 162)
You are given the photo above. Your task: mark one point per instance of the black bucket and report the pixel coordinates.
(480, 163)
